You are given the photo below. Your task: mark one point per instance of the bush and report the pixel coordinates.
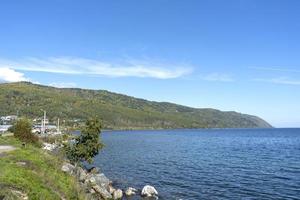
(22, 131)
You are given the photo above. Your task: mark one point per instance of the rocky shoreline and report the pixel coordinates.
(98, 187)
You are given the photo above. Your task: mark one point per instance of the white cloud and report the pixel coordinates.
(281, 80)
(63, 85)
(10, 75)
(217, 77)
(71, 65)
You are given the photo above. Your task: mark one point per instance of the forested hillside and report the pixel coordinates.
(116, 110)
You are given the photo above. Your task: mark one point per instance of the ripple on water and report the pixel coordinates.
(206, 164)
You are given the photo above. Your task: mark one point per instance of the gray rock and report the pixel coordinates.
(149, 191)
(101, 180)
(91, 180)
(81, 174)
(102, 191)
(118, 194)
(130, 191)
(92, 191)
(68, 168)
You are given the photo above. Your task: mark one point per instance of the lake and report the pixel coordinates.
(205, 164)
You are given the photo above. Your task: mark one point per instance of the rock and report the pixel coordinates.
(68, 168)
(81, 174)
(149, 191)
(94, 170)
(130, 191)
(102, 191)
(19, 194)
(92, 191)
(92, 180)
(118, 194)
(111, 189)
(49, 147)
(21, 163)
(101, 180)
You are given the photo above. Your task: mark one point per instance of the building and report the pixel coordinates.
(4, 128)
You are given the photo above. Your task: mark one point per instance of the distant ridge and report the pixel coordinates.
(116, 110)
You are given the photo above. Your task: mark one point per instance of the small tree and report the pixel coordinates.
(87, 145)
(22, 130)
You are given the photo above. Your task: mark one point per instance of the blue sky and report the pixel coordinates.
(240, 55)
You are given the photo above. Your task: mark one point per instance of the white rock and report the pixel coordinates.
(92, 180)
(118, 194)
(102, 191)
(149, 191)
(130, 191)
(49, 147)
(68, 168)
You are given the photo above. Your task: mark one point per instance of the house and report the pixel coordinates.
(4, 128)
(9, 118)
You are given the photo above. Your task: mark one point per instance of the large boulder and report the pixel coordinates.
(68, 168)
(102, 192)
(149, 191)
(118, 194)
(101, 180)
(130, 191)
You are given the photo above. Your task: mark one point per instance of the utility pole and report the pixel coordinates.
(58, 126)
(42, 128)
(43, 123)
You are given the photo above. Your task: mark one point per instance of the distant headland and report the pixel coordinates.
(118, 111)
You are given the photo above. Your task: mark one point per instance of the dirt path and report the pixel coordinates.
(6, 148)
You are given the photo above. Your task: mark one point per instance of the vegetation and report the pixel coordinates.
(117, 111)
(35, 173)
(87, 145)
(22, 130)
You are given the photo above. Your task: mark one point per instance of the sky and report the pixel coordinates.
(234, 55)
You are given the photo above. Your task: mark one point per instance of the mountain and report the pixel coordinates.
(116, 110)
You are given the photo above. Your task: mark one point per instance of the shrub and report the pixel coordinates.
(22, 131)
(87, 145)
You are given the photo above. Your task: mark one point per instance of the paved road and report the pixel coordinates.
(6, 148)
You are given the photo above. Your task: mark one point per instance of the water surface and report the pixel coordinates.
(206, 164)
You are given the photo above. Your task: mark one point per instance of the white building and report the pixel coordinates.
(4, 128)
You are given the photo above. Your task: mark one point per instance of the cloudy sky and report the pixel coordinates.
(240, 55)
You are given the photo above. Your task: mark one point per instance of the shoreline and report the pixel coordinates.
(94, 181)
(174, 129)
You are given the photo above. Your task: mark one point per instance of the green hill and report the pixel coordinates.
(116, 110)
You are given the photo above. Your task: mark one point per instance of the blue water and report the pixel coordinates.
(206, 164)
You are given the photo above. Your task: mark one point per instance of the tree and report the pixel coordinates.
(22, 131)
(86, 146)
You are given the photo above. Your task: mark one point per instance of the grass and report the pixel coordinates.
(36, 173)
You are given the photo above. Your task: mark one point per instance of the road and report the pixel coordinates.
(6, 148)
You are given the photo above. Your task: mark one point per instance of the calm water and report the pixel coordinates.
(206, 164)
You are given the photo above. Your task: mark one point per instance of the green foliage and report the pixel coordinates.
(117, 111)
(87, 145)
(22, 130)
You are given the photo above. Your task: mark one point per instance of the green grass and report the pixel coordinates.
(39, 178)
